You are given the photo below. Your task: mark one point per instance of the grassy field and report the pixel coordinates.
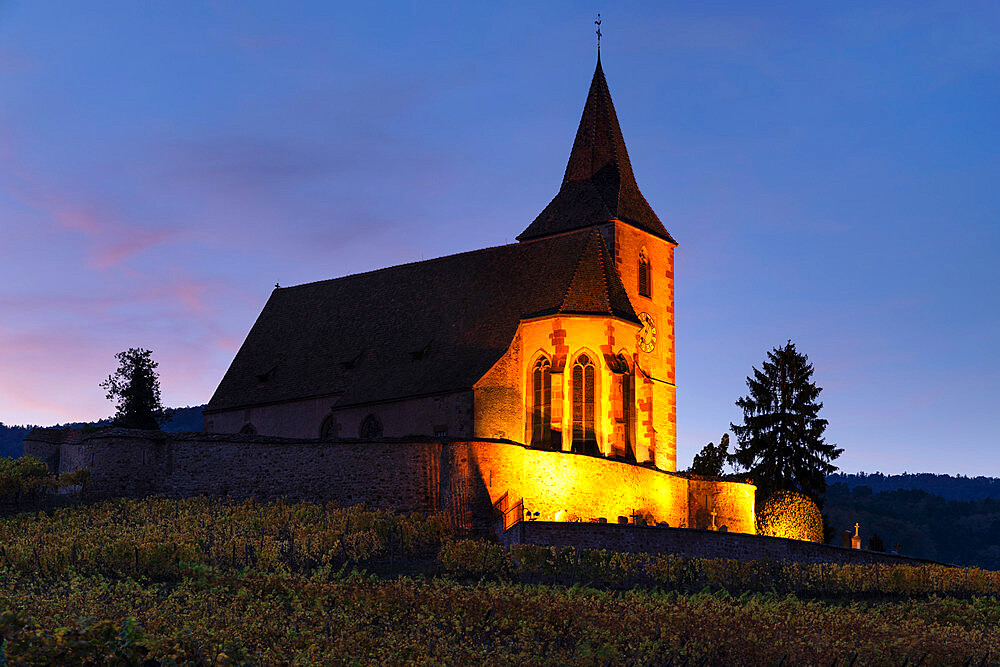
(203, 582)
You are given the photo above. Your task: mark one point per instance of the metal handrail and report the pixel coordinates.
(514, 515)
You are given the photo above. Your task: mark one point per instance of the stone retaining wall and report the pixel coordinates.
(690, 542)
(462, 478)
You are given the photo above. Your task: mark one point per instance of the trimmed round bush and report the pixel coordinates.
(792, 515)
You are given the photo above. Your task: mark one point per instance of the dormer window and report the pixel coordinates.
(645, 275)
(351, 363)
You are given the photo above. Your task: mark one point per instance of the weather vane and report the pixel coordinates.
(598, 24)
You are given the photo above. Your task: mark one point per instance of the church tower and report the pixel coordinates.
(599, 191)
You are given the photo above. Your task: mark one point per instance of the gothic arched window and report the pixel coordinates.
(371, 427)
(627, 380)
(328, 429)
(248, 429)
(645, 275)
(584, 406)
(541, 404)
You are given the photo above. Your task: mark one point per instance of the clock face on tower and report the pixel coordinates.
(646, 337)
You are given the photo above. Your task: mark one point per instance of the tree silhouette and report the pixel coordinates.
(711, 458)
(781, 442)
(135, 387)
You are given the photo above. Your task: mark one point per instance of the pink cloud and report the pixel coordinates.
(190, 294)
(114, 238)
(74, 217)
(111, 254)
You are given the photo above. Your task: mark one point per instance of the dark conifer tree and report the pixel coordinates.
(711, 458)
(781, 442)
(135, 387)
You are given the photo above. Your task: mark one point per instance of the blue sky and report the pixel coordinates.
(830, 173)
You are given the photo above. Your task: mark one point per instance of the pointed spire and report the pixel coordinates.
(599, 149)
(598, 185)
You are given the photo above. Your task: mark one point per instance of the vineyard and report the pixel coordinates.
(203, 581)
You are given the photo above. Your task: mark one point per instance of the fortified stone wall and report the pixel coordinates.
(461, 478)
(732, 502)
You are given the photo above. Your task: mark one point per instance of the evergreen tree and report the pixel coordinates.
(135, 387)
(711, 458)
(781, 442)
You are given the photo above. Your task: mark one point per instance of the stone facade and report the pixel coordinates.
(307, 418)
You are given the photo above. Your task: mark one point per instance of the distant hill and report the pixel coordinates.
(186, 420)
(10, 439)
(955, 519)
(962, 532)
(946, 486)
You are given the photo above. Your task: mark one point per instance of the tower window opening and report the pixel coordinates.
(645, 275)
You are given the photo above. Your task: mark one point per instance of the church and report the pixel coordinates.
(540, 372)
(561, 341)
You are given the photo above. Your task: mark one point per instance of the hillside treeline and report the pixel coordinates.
(963, 532)
(11, 440)
(185, 420)
(949, 487)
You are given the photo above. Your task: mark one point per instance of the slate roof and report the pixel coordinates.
(599, 184)
(415, 329)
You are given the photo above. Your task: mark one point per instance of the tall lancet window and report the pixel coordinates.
(584, 433)
(541, 404)
(645, 275)
(628, 406)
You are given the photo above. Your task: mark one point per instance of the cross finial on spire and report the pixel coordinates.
(598, 24)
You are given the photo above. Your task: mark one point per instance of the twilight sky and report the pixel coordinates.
(830, 174)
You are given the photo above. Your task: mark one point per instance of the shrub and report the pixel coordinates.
(23, 475)
(792, 515)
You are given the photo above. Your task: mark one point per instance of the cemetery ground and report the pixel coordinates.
(204, 581)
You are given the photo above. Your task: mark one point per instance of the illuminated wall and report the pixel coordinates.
(590, 487)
